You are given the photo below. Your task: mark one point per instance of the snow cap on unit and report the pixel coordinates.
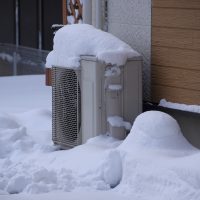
(72, 41)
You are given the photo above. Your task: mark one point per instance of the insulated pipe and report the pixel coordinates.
(40, 24)
(87, 11)
(98, 23)
(17, 22)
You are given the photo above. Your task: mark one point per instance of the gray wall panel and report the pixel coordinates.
(130, 20)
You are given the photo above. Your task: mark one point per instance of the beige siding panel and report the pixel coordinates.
(180, 58)
(176, 51)
(181, 38)
(178, 95)
(178, 18)
(177, 3)
(173, 77)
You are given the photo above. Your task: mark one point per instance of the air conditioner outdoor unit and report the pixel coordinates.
(85, 98)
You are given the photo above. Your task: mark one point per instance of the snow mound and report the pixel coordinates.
(160, 179)
(13, 141)
(17, 184)
(45, 176)
(157, 160)
(72, 41)
(156, 124)
(7, 122)
(154, 129)
(112, 168)
(37, 123)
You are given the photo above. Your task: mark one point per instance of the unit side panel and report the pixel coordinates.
(132, 97)
(87, 106)
(100, 111)
(91, 84)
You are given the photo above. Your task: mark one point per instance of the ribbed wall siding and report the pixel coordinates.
(176, 51)
(130, 20)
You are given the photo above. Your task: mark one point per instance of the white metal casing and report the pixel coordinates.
(94, 96)
(98, 101)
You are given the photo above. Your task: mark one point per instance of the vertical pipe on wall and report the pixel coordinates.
(104, 15)
(87, 11)
(17, 22)
(16, 37)
(98, 18)
(40, 24)
(92, 12)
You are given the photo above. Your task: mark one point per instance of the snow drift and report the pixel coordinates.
(158, 161)
(154, 160)
(156, 129)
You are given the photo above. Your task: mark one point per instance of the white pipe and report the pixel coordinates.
(94, 13)
(40, 24)
(17, 22)
(87, 11)
(98, 21)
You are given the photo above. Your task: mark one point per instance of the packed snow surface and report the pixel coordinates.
(24, 93)
(179, 106)
(73, 41)
(154, 162)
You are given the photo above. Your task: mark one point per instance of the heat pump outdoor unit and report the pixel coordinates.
(84, 100)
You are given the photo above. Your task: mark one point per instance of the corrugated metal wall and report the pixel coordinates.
(52, 14)
(7, 21)
(28, 23)
(34, 22)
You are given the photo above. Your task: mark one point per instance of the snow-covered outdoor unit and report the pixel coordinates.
(94, 99)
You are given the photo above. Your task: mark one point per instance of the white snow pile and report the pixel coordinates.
(29, 162)
(6, 57)
(179, 106)
(73, 41)
(119, 122)
(158, 162)
(154, 162)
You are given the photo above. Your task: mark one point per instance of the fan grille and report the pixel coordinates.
(66, 107)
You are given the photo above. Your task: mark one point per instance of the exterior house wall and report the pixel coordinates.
(130, 20)
(176, 51)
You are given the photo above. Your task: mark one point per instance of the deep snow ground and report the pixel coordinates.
(153, 162)
(29, 162)
(24, 93)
